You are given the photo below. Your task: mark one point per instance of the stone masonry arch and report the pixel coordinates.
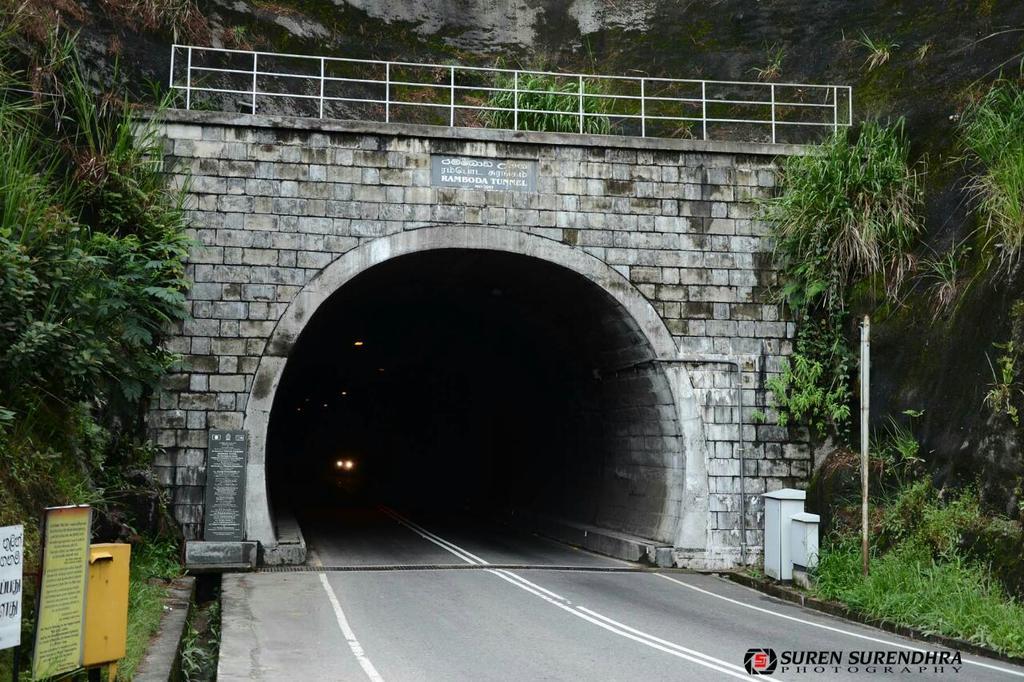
(691, 531)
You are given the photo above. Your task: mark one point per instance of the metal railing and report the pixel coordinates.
(391, 91)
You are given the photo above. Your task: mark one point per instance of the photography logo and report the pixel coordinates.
(760, 661)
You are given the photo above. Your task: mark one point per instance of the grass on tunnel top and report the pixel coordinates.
(907, 585)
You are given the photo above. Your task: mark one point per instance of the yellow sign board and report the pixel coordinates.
(66, 538)
(106, 609)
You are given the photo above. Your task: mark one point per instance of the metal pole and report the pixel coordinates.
(188, 81)
(704, 106)
(743, 466)
(16, 664)
(170, 81)
(255, 56)
(643, 109)
(773, 113)
(835, 109)
(387, 92)
(581, 104)
(322, 74)
(515, 100)
(865, 392)
(451, 118)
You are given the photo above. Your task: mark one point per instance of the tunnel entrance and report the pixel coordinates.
(483, 380)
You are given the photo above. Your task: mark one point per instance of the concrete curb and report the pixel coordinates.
(160, 663)
(842, 611)
(593, 538)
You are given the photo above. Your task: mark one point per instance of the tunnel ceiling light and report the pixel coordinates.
(359, 343)
(344, 393)
(380, 369)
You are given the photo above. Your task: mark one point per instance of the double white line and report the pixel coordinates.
(581, 612)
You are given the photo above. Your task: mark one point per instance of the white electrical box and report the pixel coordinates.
(803, 538)
(780, 506)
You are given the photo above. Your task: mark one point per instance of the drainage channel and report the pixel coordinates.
(467, 567)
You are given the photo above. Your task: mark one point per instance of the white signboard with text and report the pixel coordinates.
(12, 554)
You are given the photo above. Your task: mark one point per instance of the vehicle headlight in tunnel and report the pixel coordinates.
(345, 464)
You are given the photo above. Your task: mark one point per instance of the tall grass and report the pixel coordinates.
(939, 563)
(542, 98)
(849, 211)
(845, 214)
(993, 133)
(951, 597)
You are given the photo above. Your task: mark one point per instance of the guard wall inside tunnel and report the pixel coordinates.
(285, 211)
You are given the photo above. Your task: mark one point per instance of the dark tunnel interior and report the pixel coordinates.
(464, 379)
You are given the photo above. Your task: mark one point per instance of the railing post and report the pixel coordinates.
(835, 108)
(451, 117)
(387, 92)
(170, 80)
(773, 113)
(704, 107)
(322, 74)
(580, 94)
(643, 109)
(188, 80)
(849, 102)
(515, 100)
(255, 55)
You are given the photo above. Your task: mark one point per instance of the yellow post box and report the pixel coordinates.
(106, 605)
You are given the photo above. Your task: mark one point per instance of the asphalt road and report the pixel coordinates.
(422, 599)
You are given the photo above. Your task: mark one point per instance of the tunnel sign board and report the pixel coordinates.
(225, 485)
(471, 172)
(12, 552)
(66, 535)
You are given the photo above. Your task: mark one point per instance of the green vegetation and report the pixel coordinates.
(944, 278)
(993, 134)
(772, 70)
(879, 50)
(151, 564)
(930, 568)
(845, 215)
(1005, 393)
(91, 275)
(814, 386)
(541, 98)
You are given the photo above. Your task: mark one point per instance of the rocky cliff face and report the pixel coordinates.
(941, 54)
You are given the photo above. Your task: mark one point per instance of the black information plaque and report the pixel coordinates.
(470, 172)
(225, 485)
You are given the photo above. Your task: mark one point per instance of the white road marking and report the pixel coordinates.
(350, 636)
(879, 640)
(580, 612)
(468, 557)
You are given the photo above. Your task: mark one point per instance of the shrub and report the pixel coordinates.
(993, 133)
(91, 276)
(846, 214)
(813, 387)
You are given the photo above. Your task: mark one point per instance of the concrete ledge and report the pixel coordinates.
(601, 540)
(842, 611)
(477, 134)
(218, 557)
(161, 658)
(290, 549)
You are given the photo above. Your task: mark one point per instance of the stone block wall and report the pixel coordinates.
(274, 201)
